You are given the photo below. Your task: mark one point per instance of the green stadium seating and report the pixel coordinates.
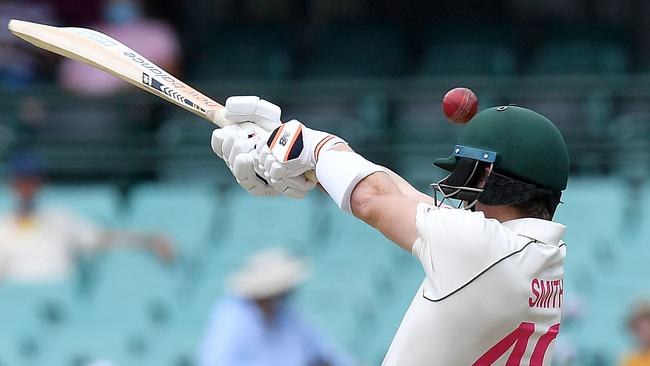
(357, 51)
(579, 57)
(247, 53)
(478, 49)
(29, 315)
(82, 344)
(289, 221)
(469, 58)
(99, 203)
(144, 285)
(580, 50)
(184, 212)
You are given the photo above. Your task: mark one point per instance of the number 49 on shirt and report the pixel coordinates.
(519, 338)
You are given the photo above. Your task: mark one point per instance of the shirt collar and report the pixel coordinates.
(545, 231)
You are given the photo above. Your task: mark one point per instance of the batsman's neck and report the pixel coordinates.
(501, 213)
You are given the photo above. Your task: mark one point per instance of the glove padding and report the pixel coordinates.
(290, 151)
(253, 109)
(236, 146)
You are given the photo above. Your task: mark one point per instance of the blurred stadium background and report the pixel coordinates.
(371, 71)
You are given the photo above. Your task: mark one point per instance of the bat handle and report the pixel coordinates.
(219, 119)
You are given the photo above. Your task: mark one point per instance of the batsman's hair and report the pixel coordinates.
(536, 207)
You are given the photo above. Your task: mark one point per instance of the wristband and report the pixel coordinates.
(339, 172)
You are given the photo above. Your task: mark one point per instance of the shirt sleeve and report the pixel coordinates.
(81, 234)
(454, 245)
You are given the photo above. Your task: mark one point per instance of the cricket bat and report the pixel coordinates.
(103, 52)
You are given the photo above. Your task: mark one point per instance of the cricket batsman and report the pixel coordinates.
(494, 263)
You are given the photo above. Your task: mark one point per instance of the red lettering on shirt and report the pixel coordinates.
(546, 293)
(534, 286)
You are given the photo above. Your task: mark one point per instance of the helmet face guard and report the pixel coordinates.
(462, 183)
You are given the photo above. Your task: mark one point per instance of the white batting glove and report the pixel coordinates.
(253, 109)
(291, 150)
(236, 146)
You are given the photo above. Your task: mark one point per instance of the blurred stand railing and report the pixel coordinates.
(133, 136)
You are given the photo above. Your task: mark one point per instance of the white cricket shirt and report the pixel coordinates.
(44, 247)
(492, 293)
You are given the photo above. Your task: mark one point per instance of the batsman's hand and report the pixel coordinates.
(236, 146)
(291, 150)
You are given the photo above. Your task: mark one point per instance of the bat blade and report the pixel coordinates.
(103, 52)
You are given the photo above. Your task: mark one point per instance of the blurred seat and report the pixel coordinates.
(467, 49)
(6, 199)
(357, 51)
(29, 307)
(176, 347)
(585, 200)
(80, 345)
(340, 115)
(29, 315)
(247, 53)
(579, 50)
(579, 57)
(99, 203)
(133, 291)
(187, 157)
(261, 222)
(184, 212)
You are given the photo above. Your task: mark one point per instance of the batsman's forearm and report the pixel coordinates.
(115, 238)
(405, 187)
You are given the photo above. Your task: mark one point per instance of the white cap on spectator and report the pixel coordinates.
(268, 273)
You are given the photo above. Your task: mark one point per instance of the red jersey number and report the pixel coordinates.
(519, 338)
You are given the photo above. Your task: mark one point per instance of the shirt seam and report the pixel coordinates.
(479, 274)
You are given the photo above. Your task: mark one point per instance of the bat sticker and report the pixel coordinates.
(157, 85)
(95, 36)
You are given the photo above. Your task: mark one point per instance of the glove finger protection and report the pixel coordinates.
(294, 187)
(238, 147)
(240, 109)
(301, 183)
(245, 174)
(224, 138)
(216, 142)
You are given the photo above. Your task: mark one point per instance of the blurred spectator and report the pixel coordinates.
(19, 62)
(639, 323)
(258, 326)
(124, 20)
(40, 245)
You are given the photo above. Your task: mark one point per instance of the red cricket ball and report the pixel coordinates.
(460, 105)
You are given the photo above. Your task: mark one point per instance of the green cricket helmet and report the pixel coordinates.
(525, 150)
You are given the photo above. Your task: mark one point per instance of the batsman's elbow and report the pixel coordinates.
(365, 200)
